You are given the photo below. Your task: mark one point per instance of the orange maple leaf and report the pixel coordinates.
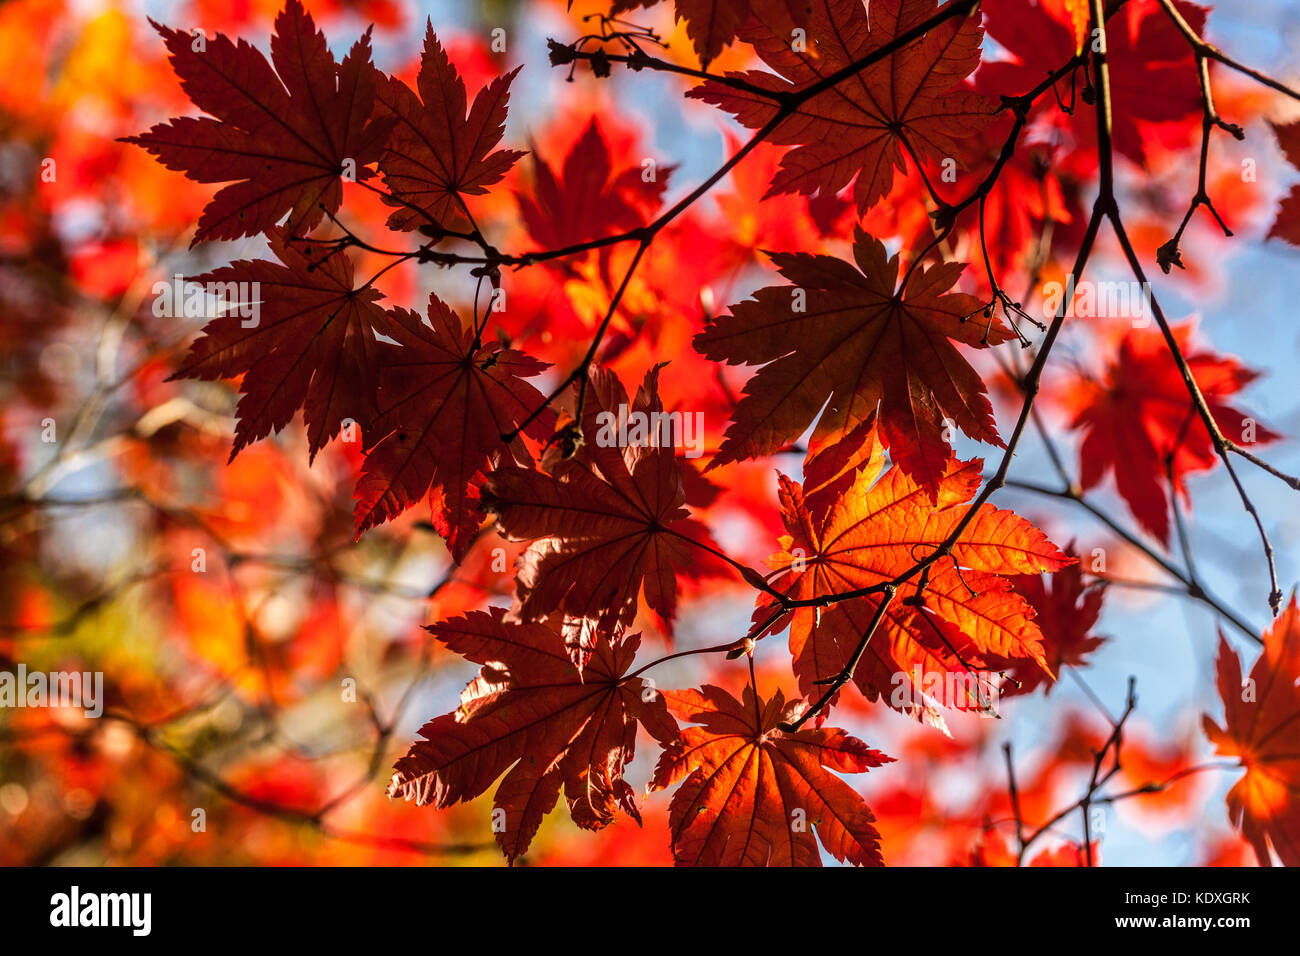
(1261, 727)
(966, 617)
(752, 794)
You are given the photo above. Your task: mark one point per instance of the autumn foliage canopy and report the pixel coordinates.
(756, 493)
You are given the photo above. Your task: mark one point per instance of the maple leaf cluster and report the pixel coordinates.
(868, 362)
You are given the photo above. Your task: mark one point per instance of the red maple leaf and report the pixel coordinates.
(1140, 415)
(283, 138)
(444, 400)
(531, 712)
(850, 344)
(752, 794)
(588, 199)
(1152, 73)
(1261, 727)
(1067, 610)
(864, 126)
(967, 616)
(607, 524)
(437, 154)
(1068, 854)
(713, 24)
(310, 343)
(992, 850)
(1026, 195)
(1286, 225)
